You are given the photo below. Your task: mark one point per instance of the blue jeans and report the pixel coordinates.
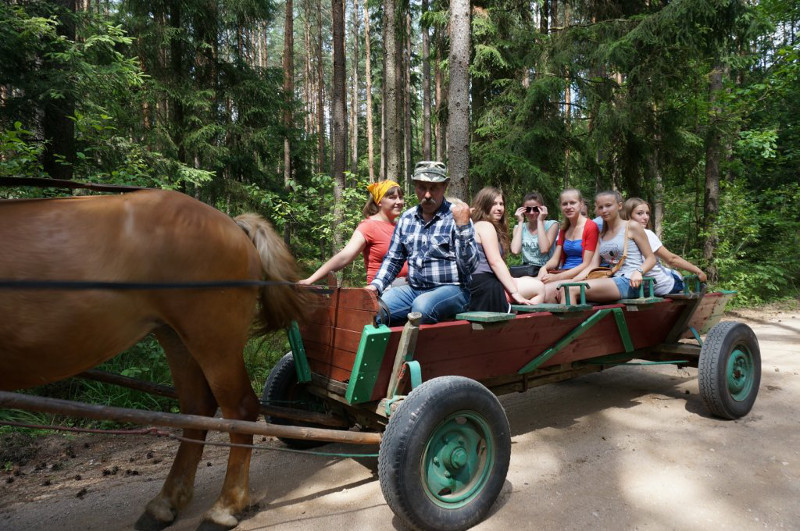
(624, 286)
(435, 304)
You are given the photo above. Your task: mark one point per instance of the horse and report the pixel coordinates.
(153, 237)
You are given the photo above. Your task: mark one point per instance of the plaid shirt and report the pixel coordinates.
(438, 252)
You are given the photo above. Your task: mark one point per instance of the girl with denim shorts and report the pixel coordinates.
(638, 256)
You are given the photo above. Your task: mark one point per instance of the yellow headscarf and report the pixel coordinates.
(379, 189)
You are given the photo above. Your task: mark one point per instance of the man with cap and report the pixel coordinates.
(436, 239)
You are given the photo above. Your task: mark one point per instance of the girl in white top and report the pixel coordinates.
(639, 258)
(638, 210)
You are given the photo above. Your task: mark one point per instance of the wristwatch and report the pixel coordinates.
(640, 270)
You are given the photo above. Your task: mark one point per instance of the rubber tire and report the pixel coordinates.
(281, 387)
(419, 424)
(726, 395)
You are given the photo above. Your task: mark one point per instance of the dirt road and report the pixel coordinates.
(629, 448)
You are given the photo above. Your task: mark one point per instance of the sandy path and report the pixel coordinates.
(630, 448)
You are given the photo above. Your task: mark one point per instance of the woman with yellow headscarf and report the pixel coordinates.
(372, 236)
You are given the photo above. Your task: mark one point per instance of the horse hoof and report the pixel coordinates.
(213, 526)
(218, 520)
(148, 522)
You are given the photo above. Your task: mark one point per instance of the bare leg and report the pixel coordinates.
(598, 290)
(531, 288)
(551, 292)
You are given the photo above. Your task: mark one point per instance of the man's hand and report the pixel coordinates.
(460, 212)
(371, 287)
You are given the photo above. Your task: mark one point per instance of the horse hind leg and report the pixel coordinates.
(217, 352)
(195, 397)
(226, 374)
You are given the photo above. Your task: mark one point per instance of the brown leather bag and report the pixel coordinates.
(608, 272)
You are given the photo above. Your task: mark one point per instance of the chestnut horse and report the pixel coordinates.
(150, 236)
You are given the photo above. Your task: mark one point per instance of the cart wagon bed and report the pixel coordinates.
(350, 357)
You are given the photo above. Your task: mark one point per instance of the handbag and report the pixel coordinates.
(529, 270)
(608, 272)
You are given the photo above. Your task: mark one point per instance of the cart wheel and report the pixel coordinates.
(729, 370)
(444, 456)
(282, 389)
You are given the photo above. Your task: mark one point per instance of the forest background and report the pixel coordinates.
(289, 108)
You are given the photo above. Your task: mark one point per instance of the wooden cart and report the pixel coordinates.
(431, 389)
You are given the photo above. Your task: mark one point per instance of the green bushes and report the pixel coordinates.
(758, 247)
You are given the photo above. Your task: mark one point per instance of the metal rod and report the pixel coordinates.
(77, 409)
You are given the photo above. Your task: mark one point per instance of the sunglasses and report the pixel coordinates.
(531, 210)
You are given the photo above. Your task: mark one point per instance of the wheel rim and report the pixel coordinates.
(458, 460)
(740, 373)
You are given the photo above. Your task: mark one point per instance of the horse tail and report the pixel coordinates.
(279, 304)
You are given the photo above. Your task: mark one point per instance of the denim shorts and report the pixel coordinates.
(624, 286)
(678, 286)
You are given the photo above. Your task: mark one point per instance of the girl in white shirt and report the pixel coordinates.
(667, 280)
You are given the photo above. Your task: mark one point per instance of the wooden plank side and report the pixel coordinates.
(708, 313)
(454, 342)
(455, 348)
(350, 319)
(447, 348)
(347, 340)
(331, 355)
(358, 299)
(329, 371)
(320, 334)
(321, 312)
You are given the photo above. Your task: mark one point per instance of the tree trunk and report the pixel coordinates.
(567, 106)
(368, 77)
(338, 104)
(458, 99)
(288, 100)
(658, 190)
(544, 15)
(382, 172)
(426, 89)
(354, 98)
(320, 94)
(439, 126)
(654, 166)
(713, 157)
(392, 97)
(406, 71)
(176, 64)
(308, 77)
(58, 129)
(288, 91)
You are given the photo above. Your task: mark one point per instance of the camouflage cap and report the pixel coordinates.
(430, 171)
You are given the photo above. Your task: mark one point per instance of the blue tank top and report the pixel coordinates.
(573, 250)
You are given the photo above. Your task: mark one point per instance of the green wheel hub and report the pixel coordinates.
(740, 373)
(458, 460)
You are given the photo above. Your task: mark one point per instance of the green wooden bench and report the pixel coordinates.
(635, 304)
(481, 320)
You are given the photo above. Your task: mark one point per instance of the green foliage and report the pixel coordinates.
(19, 156)
(307, 212)
(753, 256)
